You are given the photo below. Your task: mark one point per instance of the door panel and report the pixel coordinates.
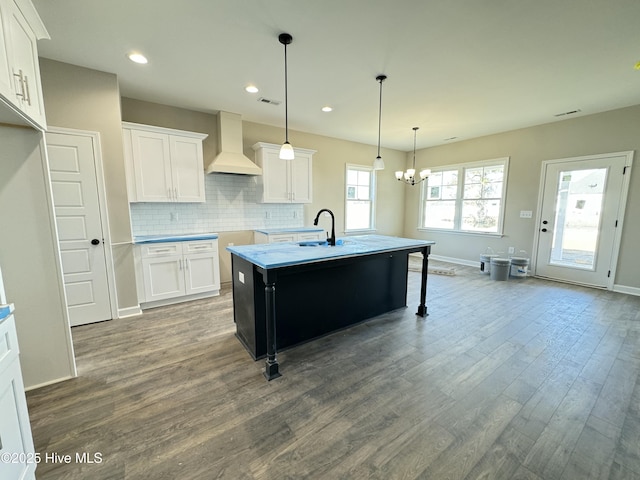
(77, 209)
(580, 213)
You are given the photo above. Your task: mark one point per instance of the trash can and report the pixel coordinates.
(485, 262)
(500, 268)
(519, 267)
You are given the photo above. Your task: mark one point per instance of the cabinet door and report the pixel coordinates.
(301, 178)
(151, 163)
(201, 273)
(23, 62)
(163, 277)
(187, 169)
(275, 178)
(6, 87)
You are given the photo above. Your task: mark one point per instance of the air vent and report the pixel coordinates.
(269, 101)
(449, 139)
(567, 113)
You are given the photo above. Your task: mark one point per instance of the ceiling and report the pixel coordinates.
(463, 68)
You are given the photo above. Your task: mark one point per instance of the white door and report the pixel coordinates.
(580, 218)
(76, 202)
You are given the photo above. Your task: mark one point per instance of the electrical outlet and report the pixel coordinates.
(267, 214)
(512, 250)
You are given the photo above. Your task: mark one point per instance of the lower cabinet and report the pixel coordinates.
(16, 443)
(173, 272)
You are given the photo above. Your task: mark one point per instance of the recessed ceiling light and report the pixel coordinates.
(637, 66)
(327, 108)
(137, 58)
(251, 89)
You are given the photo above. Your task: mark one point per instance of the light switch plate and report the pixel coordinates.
(526, 214)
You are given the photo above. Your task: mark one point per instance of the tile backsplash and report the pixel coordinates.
(232, 205)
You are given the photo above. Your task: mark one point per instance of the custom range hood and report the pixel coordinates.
(230, 158)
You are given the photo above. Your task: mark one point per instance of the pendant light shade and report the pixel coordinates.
(409, 177)
(378, 163)
(286, 151)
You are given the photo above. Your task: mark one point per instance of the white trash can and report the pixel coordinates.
(500, 268)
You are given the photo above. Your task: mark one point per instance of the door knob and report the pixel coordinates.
(95, 241)
(544, 229)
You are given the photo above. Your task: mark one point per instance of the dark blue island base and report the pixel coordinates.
(282, 306)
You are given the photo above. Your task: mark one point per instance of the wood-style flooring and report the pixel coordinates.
(525, 379)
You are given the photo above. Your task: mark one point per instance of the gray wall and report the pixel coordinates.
(85, 99)
(30, 259)
(613, 131)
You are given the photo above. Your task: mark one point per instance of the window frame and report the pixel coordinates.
(461, 169)
(372, 197)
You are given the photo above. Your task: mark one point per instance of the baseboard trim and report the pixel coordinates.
(129, 311)
(628, 290)
(45, 384)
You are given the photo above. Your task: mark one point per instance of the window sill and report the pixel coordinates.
(461, 232)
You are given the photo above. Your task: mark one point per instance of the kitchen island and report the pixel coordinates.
(285, 294)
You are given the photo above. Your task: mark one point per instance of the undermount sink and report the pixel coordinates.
(313, 243)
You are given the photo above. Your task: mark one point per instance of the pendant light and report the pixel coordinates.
(378, 163)
(286, 151)
(409, 177)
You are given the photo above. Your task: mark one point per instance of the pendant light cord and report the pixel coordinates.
(380, 79)
(286, 102)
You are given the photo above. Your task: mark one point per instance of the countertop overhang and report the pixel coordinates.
(275, 255)
(174, 238)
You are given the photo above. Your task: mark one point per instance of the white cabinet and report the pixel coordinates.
(275, 236)
(284, 181)
(163, 165)
(172, 272)
(15, 431)
(20, 86)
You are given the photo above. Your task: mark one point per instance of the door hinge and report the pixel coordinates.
(609, 274)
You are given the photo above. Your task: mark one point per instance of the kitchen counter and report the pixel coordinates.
(173, 238)
(320, 289)
(5, 311)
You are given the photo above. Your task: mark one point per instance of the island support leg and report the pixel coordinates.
(271, 366)
(422, 308)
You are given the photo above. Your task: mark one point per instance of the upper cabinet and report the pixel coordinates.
(163, 164)
(284, 181)
(20, 86)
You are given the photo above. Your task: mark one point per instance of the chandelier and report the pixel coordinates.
(409, 177)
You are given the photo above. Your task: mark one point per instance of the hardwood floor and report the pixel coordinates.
(525, 379)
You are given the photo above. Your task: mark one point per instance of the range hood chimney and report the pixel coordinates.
(230, 158)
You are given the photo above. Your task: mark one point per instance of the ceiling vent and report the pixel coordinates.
(567, 113)
(269, 101)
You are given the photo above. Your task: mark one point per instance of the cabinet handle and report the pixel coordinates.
(175, 194)
(186, 264)
(26, 90)
(162, 250)
(180, 264)
(169, 194)
(200, 247)
(20, 83)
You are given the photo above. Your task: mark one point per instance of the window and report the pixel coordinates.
(360, 195)
(466, 198)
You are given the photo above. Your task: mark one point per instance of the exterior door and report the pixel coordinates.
(78, 217)
(581, 218)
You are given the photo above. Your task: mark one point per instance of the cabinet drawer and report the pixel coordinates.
(160, 249)
(8, 342)
(283, 237)
(201, 246)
